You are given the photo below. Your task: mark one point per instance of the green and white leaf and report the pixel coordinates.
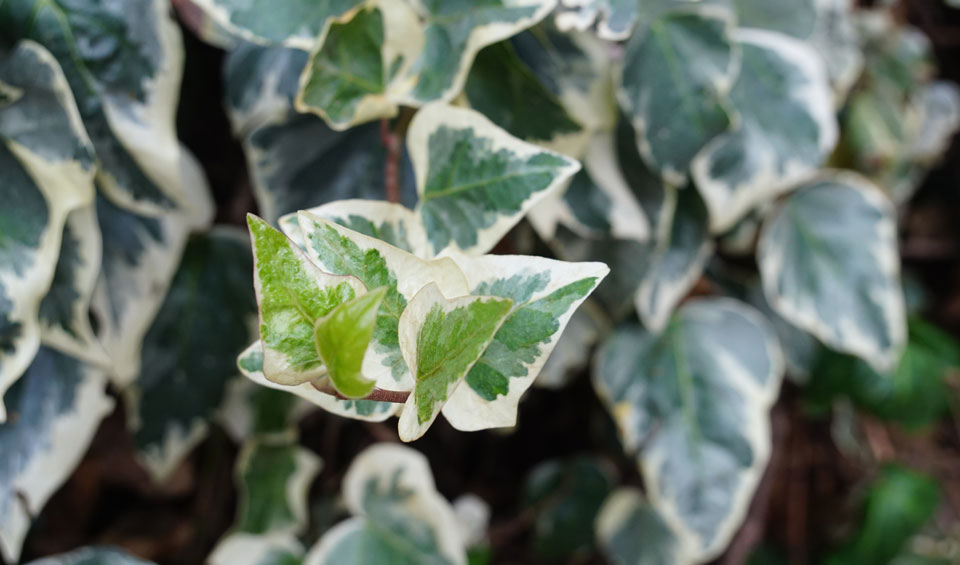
(361, 67)
(342, 338)
(829, 263)
(630, 530)
(294, 23)
(677, 263)
(123, 61)
(249, 409)
(700, 464)
(47, 164)
(189, 353)
(293, 294)
(614, 18)
(54, 411)
(93, 555)
(787, 128)
(375, 263)
(441, 340)
(544, 294)
(677, 73)
(390, 490)
(250, 363)
(65, 310)
(940, 107)
(796, 18)
(835, 37)
(273, 477)
(252, 549)
(475, 180)
(571, 354)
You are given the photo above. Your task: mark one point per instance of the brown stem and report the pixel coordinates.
(391, 172)
(378, 394)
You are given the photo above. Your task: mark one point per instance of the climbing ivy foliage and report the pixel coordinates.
(399, 151)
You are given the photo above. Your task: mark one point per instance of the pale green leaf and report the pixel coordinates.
(475, 180)
(829, 262)
(787, 128)
(342, 338)
(292, 294)
(441, 340)
(93, 555)
(54, 410)
(677, 73)
(835, 37)
(700, 464)
(252, 549)
(631, 531)
(795, 18)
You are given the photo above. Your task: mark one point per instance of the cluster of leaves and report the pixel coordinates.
(713, 134)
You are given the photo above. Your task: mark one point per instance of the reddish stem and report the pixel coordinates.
(377, 395)
(391, 172)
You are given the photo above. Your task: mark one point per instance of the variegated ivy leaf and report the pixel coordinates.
(835, 38)
(829, 263)
(139, 259)
(292, 294)
(65, 310)
(677, 263)
(631, 531)
(475, 180)
(677, 73)
(571, 354)
(359, 70)
(342, 338)
(390, 490)
(545, 293)
(54, 410)
(250, 363)
(503, 88)
(441, 340)
(189, 353)
(342, 251)
(295, 23)
(700, 464)
(795, 18)
(287, 151)
(273, 549)
(123, 61)
(787, 128)
(93, 555)
(47, 164)
(615, 18)
(249, 409)
(273, 477)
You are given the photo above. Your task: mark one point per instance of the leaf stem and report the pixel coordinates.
(377, 395)
(391, 170)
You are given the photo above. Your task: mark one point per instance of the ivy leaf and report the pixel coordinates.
(829, 263)
(835, 37)
(293, 294)
(545, 293)
(701, 465)
(475, 180)
(441, 340)
(342, 338)
(54, 411)
(250, 363)
(123, 62)
(92, 555)
(615, 18)
(630, 530)
(375, 263)
(786, 131)
(390, 491)
(296, 23)
(678, 107)
(273, 477)
(273, 549)
(796, 18)
(47, 164)
(677, 263)
(188, 354)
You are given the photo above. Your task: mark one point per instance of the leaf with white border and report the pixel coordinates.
(545, 293)
(835, 37)
(614, 18)
(250, 549)
(475, 180)
(699, 463)
(442, 340)
(390, 490)
(787, 128)
(829, 263)
(796, 18)
(630, 530)
(55, 409)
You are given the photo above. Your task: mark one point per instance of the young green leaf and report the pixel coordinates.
(787, 128)
(700, 464)
(475, 180)
(544, 293)
(676, 77)
(829, 263)
(441, 340)
(630, 530)
(250, 363)
(293, 294)
(55, 409)
(342, 338)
